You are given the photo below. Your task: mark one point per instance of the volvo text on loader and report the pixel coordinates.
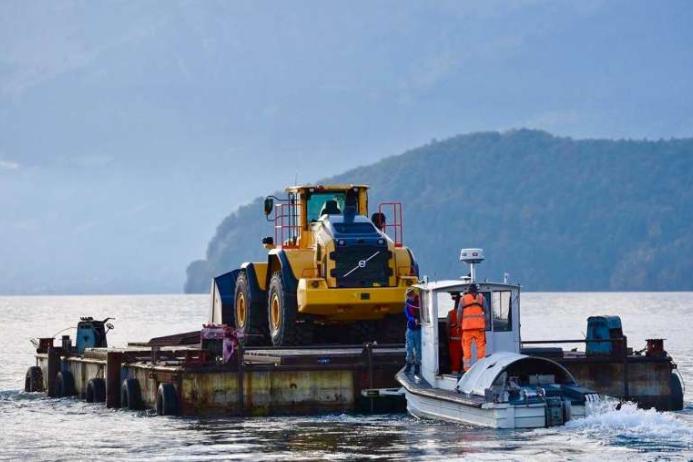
(332, 275)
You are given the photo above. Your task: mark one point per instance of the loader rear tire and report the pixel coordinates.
(249, 313)
(282, 314)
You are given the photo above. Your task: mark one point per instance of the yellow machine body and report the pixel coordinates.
(307, 246)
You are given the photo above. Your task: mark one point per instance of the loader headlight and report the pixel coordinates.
(341, 242)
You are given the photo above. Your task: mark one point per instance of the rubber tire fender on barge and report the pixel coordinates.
(96, 390)
(167, 400)
(676, 384)
(65, 384)
(131, 395)
(34, 379)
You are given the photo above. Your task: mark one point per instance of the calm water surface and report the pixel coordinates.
(33, 427)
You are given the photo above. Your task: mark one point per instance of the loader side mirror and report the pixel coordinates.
(269, 205)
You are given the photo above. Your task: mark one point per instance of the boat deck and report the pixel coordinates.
(423, 388)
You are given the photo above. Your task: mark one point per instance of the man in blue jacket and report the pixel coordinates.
(412, 310)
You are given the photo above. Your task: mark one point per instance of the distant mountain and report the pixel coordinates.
(556, 213)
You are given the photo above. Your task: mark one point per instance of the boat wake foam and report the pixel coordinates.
(633, 426)
(17, 395)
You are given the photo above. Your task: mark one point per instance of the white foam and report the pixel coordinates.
(632, 422)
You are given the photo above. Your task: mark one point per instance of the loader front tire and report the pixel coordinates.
(282, 313)
(249, 313)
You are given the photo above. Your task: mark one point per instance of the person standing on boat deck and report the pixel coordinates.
(473, 326)
(454, 337)
(412, 310)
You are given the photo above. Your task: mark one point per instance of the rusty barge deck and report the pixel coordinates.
(268, 381)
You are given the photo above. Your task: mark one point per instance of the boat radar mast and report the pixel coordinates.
(472, 257)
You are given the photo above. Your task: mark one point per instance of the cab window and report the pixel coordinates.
(316, 201)
(501, 303)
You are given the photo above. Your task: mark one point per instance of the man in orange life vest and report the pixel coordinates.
(473, 326)
(454, 338)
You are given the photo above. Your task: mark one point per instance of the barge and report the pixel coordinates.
(304, 380)
(186, 380)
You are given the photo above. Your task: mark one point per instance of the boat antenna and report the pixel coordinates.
(472, 257)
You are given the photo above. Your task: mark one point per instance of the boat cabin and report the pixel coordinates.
(502, 311)
(501, 389)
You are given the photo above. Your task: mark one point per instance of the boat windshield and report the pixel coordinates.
(500, 303)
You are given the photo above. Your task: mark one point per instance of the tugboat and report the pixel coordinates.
(504, 389)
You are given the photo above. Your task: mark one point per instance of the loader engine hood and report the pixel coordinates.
(361, 255)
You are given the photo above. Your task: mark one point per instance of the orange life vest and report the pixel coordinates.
(473, 317)
(454, 327)
(454, 341)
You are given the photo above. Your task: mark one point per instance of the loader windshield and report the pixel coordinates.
(317, 200)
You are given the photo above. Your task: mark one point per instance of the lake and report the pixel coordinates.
(33, 427)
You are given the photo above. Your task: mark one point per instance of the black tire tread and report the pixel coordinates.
(131, 395)
(676, 400)
(256, 329)
(65, 383)
(167, 400)
(33, 381)
(291, 333)
(96, 390)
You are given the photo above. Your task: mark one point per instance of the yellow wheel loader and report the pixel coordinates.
(332, 274)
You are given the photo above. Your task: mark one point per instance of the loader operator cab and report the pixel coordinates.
(296, 215)
(331, 203)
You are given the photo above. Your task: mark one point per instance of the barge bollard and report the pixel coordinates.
(114, 359)
(53, 369)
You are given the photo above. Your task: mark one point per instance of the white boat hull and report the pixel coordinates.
(444, 405)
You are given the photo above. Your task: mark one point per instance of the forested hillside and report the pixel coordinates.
(556, 213)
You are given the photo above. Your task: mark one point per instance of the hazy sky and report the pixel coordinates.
(128, 130)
